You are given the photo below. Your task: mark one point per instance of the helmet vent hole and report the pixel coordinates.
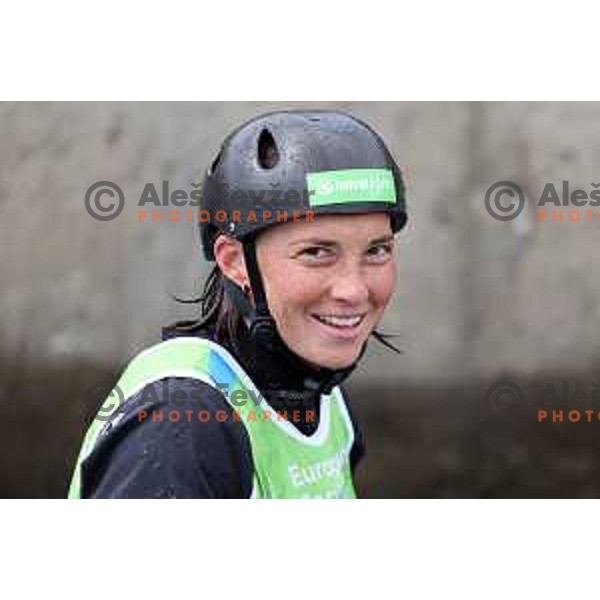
(268, 154)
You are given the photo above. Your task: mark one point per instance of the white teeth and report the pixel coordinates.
(340, 321)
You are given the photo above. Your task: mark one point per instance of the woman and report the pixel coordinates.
(299, 211)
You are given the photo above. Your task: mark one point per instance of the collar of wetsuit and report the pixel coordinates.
(280, 374)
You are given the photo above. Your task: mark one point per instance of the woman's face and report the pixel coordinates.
(328, 283)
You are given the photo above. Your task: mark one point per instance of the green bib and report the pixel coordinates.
(287, 464)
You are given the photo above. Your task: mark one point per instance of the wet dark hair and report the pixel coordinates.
(221, 310)
(223, 307)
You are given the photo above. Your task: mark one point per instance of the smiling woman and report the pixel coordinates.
(285, 317)
(328, 283)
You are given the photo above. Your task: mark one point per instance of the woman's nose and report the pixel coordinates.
(349, 285)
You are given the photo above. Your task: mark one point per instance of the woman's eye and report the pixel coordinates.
(380, 252)
(315, 252)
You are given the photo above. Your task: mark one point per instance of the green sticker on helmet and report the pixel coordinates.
(351, 185)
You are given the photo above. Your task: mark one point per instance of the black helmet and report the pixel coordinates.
(287, 164)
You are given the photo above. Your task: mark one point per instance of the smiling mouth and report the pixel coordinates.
(341, 322)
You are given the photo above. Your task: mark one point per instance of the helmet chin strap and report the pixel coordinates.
(263, 329)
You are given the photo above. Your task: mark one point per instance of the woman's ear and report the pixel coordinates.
(229, 255)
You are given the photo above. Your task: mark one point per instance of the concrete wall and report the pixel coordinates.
(476, 296)
(477, 299)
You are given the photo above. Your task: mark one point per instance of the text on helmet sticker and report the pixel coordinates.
(351, 185)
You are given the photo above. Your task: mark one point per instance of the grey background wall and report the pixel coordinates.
(478, 299)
